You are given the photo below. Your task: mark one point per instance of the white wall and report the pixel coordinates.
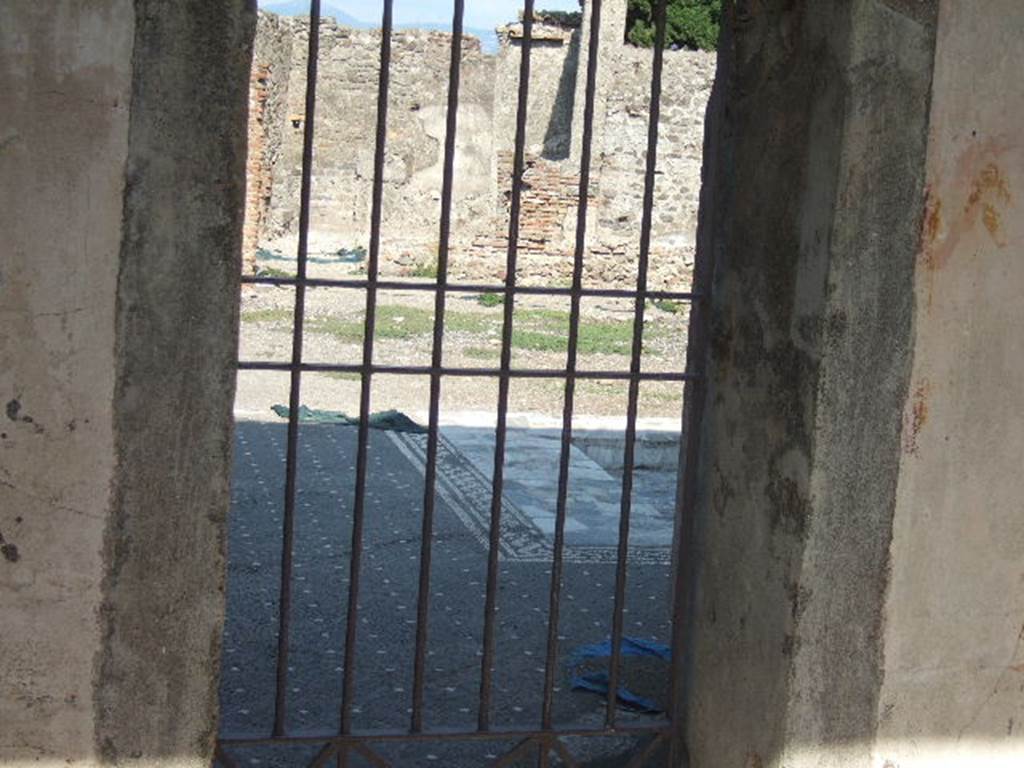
(66, 73)
(953, 693)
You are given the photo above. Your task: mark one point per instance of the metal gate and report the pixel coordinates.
(352, 744)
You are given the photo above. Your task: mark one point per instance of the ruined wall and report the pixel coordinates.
(550, 195)
(268, 90)
(554, 61)
(343, 157)
(345, 132)
(688, 76)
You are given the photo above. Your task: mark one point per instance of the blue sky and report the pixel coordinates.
(479, 13)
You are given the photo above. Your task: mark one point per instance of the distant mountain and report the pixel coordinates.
(488, 37)
(301, 8)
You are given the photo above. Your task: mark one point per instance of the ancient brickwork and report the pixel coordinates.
(546, 237)
(267, 91)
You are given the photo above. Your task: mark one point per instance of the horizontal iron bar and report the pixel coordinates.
(496, 733)
(426, 370)
(537, 290)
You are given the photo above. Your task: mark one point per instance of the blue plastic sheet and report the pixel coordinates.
(597, 682)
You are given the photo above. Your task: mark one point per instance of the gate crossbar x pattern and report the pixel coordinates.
(538, 743)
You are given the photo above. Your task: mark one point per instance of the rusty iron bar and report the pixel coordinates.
(515, 753)
(532, 290)
(430, 470)
(654, 727)
(329, 750)
(359, 502)
(221, 756)
(646, 222)
(568, 404)
(426, 370)
(642, 757)
(504, 379)
(294, 394)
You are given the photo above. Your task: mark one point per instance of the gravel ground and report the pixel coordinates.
(335, 315)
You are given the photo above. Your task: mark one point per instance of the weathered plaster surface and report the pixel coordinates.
(954, 617)
(814, 220)
(177, 321)
(66, 73)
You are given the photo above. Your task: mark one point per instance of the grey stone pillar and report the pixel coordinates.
(122, 154)
(812, 211)
(613, 33)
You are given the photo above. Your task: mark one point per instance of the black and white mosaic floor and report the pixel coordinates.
(387, 612)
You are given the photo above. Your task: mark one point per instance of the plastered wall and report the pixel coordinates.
(66, 68)
(953, 692)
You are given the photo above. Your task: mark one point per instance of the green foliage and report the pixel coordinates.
(537, 330)
(425, 269)
(490, 299)
(269, 315)
(570, 19)
(689, 23)
(668, 305)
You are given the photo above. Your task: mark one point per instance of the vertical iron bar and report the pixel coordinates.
(634, 365)
(554, 599)
(483, 719)
(430, 472)
(291, 460)
(372, 265)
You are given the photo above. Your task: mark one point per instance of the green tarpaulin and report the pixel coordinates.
(394, 420)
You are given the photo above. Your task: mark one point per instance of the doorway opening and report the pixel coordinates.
(461, 477)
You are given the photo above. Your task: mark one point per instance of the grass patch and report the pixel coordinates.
(481, 353)
(343, 375)
(490, 299)
(606, 338)
(538, 341)
(426, 269)
(338, 327)
(396, 321)
(270, 315)
(546, 319)
(537, 330)
(668, 305)
(595, 338)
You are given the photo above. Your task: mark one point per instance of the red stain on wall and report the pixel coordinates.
(915, 417)
(990, 193)
(986, 192)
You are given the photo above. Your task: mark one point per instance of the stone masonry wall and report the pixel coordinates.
(554, 60)
(344, 144)
(345, 136)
